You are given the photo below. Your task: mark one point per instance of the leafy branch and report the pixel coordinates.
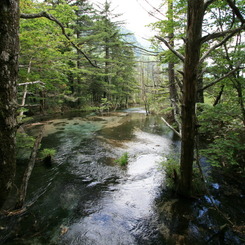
(52, 18)
(221, 78)
(221, 34)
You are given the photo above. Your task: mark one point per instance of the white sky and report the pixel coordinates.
(135, 14)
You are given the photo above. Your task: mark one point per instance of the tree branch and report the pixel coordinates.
(52, 18)
(179, 55)
(153, 53)
(179, 134)
(236, 11)
(29, 83)
(217, 45)
(207, 3)
(221, 78)
(221, 34)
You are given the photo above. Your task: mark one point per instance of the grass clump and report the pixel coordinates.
(123, 160)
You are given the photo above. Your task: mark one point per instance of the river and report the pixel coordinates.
(86, 198)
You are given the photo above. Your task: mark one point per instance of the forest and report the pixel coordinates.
(107, 141)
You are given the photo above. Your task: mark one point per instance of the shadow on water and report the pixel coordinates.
(86, 198)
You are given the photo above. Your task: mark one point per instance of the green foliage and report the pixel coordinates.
(221, 125)
(123, 160)
(226, 151)
(171, 167)
(105, 104)
(217, 119)
(24, 145)
(23, 140)
(47, 152)
(47, 56)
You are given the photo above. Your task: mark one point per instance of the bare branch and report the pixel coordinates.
(155, 9)
(148, 12)
(236, 11)
(28, 83)
(179, 134)
(52, 18)
(151, 52)
(221, 34)
(179, 55)
(28, 171)
(221, 78)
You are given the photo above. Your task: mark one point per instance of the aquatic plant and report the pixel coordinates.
(123, 160)
(47, 152)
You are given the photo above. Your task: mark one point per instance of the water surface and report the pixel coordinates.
(86, 198)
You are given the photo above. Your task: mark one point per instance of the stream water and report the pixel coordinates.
(86, 198)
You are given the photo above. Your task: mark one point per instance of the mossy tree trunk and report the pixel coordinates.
(192, 56)
(9, 49)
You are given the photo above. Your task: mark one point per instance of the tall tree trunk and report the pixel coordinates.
(107, 80)
(171, 73)
(9, 49)
(192, 57)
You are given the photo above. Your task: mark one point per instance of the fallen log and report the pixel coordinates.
(28, 171)
(178, 133)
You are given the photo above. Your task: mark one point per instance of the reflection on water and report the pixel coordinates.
(86, 198)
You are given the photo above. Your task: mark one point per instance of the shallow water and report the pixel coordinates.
(86, 198)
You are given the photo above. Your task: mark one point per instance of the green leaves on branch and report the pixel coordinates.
(222, 127)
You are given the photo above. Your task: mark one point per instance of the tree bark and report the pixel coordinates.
(200, 94)
(9, 51)
(171, 73)
(192, 57)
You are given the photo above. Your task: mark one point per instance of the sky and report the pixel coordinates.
(135, 15)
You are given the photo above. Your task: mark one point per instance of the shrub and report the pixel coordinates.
(222, 126)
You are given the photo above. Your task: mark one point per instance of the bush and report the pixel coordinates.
(223, 128)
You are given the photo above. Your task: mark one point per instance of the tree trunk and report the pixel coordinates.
(171, 73)
(192, 57)
(107, 80)
(9, 50)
